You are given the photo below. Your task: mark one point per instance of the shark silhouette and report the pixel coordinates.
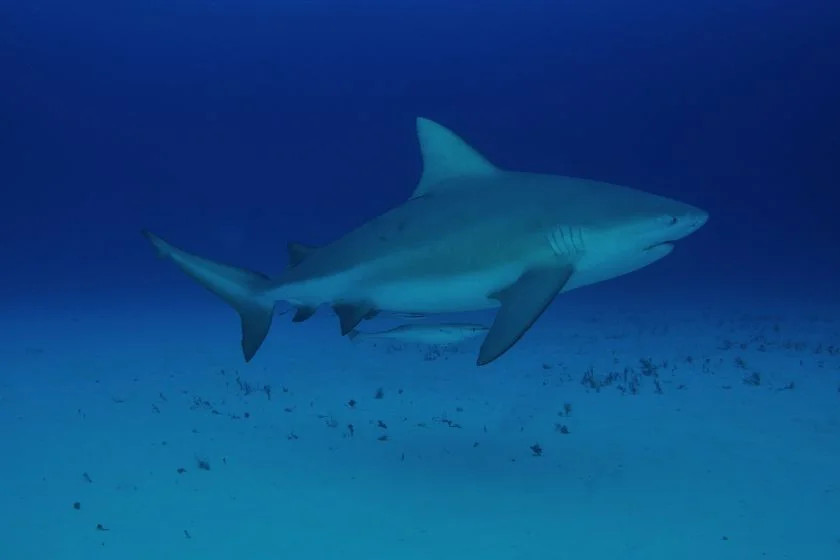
(472, 236)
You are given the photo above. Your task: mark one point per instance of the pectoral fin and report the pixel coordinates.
(522, 304)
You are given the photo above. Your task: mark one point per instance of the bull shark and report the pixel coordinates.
(472, 236)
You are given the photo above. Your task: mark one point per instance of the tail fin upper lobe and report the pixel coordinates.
(244, 290)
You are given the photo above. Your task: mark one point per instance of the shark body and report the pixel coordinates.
(472, 236)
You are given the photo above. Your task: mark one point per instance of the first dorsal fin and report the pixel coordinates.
(446, 156)
(298, 252)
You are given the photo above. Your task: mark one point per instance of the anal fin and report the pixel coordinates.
(522, 304)
(298, 252)
(371, 314)
(303, 313)
(349, 315)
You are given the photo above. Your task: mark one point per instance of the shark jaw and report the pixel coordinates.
(472, 236)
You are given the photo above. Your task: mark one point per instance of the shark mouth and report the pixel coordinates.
(668, 244)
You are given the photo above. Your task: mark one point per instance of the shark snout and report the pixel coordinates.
(688, 222)
(696, 219)
(681, 224)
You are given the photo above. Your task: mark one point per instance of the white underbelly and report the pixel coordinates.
(451, 294)
(469, 292)
(591, 270)
(447, 294)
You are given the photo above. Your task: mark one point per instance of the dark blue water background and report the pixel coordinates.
(232, 127)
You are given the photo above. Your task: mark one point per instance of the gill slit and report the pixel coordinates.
(567, 241)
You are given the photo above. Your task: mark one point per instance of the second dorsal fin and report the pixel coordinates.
(298, 252)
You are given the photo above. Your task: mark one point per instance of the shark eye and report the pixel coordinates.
(669, 220)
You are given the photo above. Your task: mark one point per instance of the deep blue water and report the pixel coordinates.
(231, 127)
(258, 122)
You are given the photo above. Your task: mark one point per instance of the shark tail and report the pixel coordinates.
(244, 290)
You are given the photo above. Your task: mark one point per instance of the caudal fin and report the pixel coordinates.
(242, 289)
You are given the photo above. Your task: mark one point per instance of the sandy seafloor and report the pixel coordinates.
(102, 405)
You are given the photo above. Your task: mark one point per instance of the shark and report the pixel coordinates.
(472, 236)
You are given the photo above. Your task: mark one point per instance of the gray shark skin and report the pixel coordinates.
(472, 236)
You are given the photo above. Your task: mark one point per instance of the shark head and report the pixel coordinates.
(631, 229)
(655, 222)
